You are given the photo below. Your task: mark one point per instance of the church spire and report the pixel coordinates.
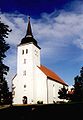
(29, 36)
(29, 30)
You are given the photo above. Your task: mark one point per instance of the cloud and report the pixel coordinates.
(17, 24)
(75, 6)
(79, 42)
(58, 34)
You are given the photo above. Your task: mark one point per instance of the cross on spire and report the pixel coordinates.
(29, 30)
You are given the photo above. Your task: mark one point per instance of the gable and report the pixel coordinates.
(50, 74)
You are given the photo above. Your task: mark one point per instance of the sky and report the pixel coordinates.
(57, 25)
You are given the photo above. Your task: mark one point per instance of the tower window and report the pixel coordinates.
(24, 86)
(22, 52)
(26, 51)
(53, 85)
(24, 61)
(24, 72)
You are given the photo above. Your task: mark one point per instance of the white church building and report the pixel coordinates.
(34, 82)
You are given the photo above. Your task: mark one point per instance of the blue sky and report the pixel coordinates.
(33, 7)
(57, 25)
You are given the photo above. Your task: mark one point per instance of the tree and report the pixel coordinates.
(62, 93)
(78, 87)
(4, 32)
(76, 93)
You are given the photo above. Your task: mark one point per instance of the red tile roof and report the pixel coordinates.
(71, 92)
(50, 74)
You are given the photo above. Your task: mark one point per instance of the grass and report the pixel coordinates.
(42, 111)
(4, 106)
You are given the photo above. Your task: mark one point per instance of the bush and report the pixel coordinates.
(39, 102)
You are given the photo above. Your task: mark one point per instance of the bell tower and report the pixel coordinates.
(28, 52)
(28, 58)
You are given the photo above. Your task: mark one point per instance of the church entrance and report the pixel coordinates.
(24, 100)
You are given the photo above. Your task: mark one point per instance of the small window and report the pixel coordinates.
(24, 86)
(24, 72)
(26, 51)
(24, 61)
(53, 85)
(22, 52)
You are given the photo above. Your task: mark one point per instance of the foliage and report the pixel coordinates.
(78, 87)
(39, 102)
(63, 93)
(4, 32)
(76, 93)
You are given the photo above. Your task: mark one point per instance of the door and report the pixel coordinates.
(24, 100)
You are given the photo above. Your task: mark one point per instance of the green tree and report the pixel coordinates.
(4, 32)
(63, 93)
(76, 93)
(78, 87)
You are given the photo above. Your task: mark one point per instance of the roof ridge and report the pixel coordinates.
(51, 74)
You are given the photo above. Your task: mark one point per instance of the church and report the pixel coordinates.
(34, 83)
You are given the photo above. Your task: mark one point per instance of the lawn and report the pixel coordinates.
(51, 111)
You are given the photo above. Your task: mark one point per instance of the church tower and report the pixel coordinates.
(28, 53)
(28, 58)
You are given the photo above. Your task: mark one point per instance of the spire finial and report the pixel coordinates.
(29, 17)
(29, 30)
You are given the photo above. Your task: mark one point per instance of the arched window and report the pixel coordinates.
(24, 61)
(26, 51)
(22, 52)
